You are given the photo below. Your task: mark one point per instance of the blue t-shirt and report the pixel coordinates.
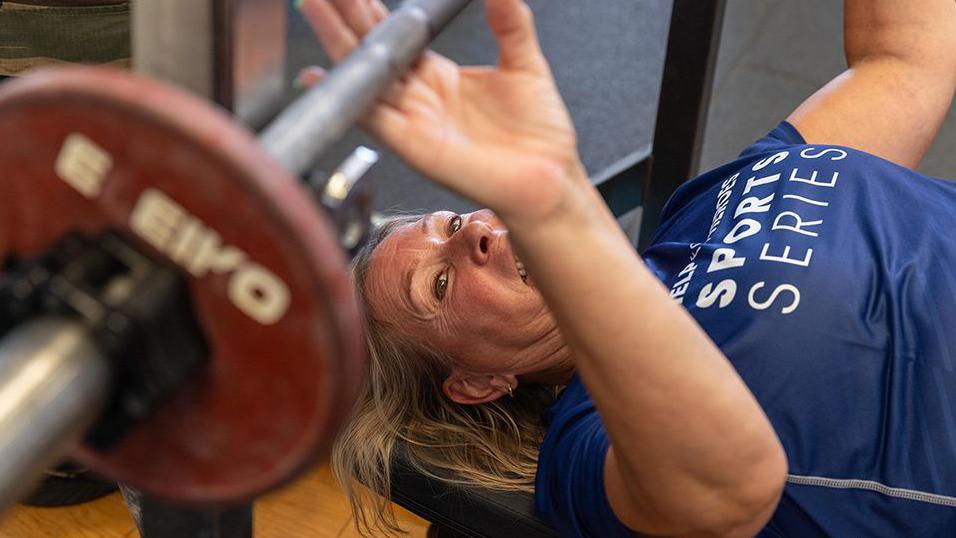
(827, 276)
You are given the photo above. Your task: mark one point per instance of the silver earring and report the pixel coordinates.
(510, 391)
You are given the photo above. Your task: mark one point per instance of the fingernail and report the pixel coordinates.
(297, 4)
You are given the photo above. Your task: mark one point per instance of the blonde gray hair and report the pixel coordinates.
(491, 445)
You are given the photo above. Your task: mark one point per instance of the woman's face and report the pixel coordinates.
(453, 282)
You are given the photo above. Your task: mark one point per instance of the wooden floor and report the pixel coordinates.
(313, 507)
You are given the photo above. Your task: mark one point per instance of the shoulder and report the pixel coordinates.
(710, 185)
(569, 489)
(783, 161)
(782, 136)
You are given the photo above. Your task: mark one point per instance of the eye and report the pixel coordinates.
(441, 285)
(454, 224)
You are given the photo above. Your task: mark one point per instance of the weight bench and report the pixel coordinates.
(460, 512)
(644, 187)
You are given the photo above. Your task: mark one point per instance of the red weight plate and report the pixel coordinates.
(88, 149)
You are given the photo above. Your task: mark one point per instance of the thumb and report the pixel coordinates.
(512, 23)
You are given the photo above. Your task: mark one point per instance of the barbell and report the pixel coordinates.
(171, 297)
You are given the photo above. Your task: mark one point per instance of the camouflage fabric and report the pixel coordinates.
(31, 35)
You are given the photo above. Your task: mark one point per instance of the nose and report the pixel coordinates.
(474, 240)
(487, 216)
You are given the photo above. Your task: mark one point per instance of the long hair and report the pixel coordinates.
(491, 445)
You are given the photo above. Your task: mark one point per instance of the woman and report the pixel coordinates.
(817, 327)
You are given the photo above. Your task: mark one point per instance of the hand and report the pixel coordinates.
(500, 136)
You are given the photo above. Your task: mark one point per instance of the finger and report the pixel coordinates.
(378, 9)
(312, 75)
(394, 95)
(387, 124)
(336, 36)
(357, 15)
(513, 25)
(309, 76)
(431, 68)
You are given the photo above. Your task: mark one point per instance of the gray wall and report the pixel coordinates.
(774, 54)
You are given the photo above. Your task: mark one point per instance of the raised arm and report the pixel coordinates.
(692, 452)
(899, 85)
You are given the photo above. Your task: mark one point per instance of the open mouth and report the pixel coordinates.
(521, 270)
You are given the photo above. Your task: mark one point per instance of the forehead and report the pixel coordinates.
(407, 239)
(390, 264)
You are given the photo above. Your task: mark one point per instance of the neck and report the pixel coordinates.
(554, 364)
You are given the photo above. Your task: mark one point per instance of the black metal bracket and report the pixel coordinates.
(137, 310)
(686, 86)
(689, 68)
(158, 519)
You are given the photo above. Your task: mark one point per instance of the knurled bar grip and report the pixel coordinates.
(310, 125)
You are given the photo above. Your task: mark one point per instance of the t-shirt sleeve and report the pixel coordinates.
(784, 134)
(569, 492)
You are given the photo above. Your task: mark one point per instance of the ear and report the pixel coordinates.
(471, 388)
